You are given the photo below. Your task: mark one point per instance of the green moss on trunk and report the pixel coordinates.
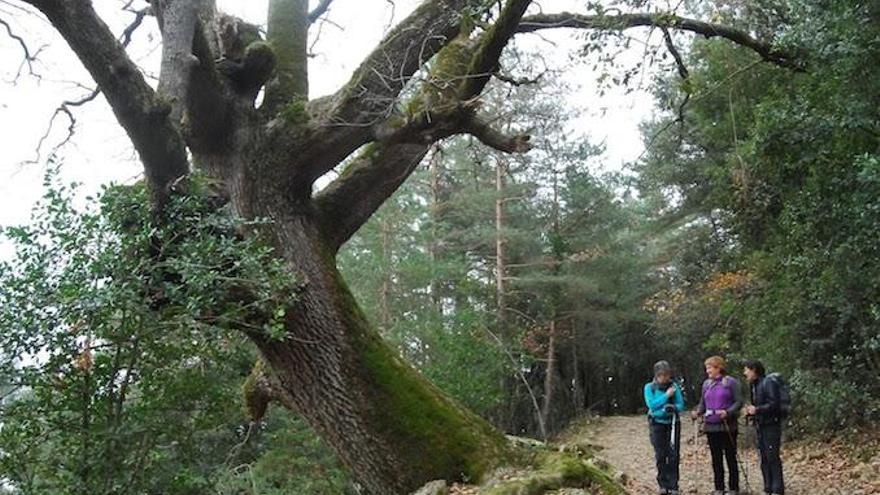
(434, 436)
(441, 438)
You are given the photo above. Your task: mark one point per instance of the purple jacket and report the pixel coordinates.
(723, 393)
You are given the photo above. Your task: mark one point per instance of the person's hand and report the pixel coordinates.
(723, 413)
(670, 392)
(669, 409)
(695, 415)
(751, 410)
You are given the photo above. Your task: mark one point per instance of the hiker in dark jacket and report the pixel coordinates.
(665, 402)
(719, 407)
(766, 411)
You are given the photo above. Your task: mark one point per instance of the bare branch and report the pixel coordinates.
(322, 8)
(625, 21)
(682, 72)
(517, 82)
(29, 56)
(63, 109)
(136, 106)
(129, 30)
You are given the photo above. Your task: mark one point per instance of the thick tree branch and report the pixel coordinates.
(341, 123)
(625, 21)
(377, 114)
(403, 139)
(349, 201)
(322, 8)
(288, 34)
(371, 93)
(493, 138)
(485, 61)
(180, 21)
(141, 113)
(189, 79)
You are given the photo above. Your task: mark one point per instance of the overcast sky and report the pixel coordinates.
(100, 151)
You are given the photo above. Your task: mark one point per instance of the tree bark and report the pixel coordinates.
(392, 427)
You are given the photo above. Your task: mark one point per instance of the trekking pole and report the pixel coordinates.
(695, 455)
(738, 460)
(674, 420)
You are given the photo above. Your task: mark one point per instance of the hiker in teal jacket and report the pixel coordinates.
(665, 402)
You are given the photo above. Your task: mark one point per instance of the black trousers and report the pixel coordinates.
(665, 454)
(722, 445)
(770, 447)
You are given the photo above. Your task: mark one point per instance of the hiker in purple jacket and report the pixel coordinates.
(719, 408)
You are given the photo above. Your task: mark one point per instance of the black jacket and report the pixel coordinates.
(766, 399)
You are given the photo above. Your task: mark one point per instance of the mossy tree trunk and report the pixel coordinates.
(386, 422)
(392, 427)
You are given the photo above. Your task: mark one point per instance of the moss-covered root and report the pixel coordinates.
(555, 470)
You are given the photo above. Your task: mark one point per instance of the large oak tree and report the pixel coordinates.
(388, 424)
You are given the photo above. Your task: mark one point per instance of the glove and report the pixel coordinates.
(669, 408)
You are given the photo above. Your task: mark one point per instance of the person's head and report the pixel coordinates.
(753, 369)
(662, 372)
(715, 367)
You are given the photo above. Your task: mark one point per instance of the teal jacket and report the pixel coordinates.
(655, 399)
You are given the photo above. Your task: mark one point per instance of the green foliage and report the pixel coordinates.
(292, 459)
(122, 347)
(825, 403)
(777, 175)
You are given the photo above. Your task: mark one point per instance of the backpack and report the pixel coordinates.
(784, 393)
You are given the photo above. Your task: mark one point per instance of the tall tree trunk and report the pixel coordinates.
(437, 199)
(549, 376)
(577, 382)
(391, 426)
(500, 251)
(385, 289)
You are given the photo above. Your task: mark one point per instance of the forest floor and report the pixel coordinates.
(811, 468)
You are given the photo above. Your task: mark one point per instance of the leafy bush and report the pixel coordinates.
(122, 355)
(824, 403)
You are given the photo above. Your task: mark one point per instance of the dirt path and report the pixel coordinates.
(808, 470)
